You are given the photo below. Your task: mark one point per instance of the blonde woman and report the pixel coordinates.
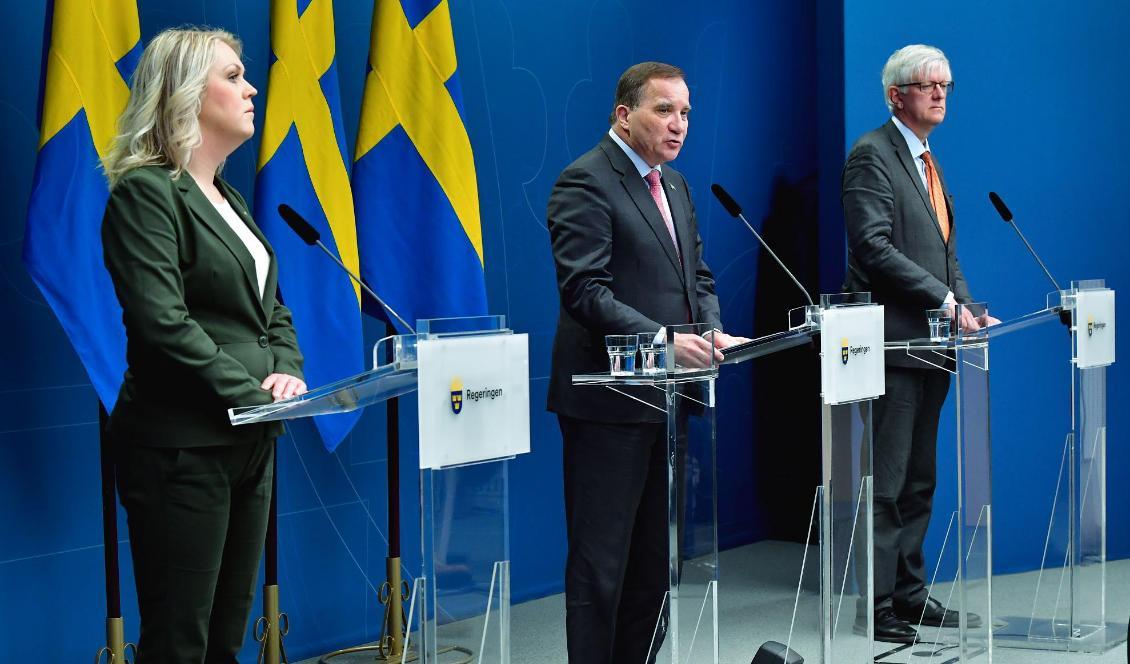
(205, 332)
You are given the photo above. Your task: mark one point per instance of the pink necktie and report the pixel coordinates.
(657, 193)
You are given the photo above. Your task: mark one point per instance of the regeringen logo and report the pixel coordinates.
(847, 351)
(460, 395)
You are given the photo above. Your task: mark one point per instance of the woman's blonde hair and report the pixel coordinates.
(160, 124)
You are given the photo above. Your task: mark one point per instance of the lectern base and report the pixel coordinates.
(364, 655)
(1057, 635)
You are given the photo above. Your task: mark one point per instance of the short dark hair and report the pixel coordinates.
(629, 89)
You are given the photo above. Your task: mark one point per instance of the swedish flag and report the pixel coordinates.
(91, 51)
(302, 162)
(421, 244)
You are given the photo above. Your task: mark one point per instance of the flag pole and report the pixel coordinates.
(393, 629)
(273, 625)
(115, 648)
(394, 591)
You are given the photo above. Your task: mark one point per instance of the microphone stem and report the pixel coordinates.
(1035, 255)
(764, 244)
(366, 288)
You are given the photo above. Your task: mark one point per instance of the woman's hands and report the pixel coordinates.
(283, 386)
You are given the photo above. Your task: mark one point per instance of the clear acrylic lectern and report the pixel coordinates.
(687, 625)
(1067, 595)
(459, 604)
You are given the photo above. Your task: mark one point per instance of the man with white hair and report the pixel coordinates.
(902, 248)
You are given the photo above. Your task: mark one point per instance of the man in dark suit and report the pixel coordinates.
(902, 248)
(629, 260)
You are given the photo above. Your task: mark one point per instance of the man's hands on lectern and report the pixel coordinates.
(985, 320)
(723, 340)
(968, 322)
(694, 351)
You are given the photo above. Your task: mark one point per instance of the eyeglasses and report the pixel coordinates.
(928, 86)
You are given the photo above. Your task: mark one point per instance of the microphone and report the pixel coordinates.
(312, 237)
(735, 210)
(300, 226)
(1006, 215)
(1002, 209)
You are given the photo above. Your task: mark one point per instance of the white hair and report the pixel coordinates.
(916, 60)
(161, 122)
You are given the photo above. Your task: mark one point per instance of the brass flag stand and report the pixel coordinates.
(273, 625)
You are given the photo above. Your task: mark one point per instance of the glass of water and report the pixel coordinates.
(653, 353)
(940, 323)
(621, 353)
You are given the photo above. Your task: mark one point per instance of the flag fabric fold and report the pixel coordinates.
(91, 49)
(414, 182)
(303, 163)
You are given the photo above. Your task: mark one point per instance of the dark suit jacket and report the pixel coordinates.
(618, 273)
(895, 246)
(199, 338)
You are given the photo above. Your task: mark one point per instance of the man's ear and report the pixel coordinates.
(622, 116)
(895, 97)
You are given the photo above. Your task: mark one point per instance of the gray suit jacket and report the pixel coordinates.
(618, 273)
(895, 245)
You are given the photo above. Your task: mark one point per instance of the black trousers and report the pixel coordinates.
(905, 438)
(197, 519)
(616, 573)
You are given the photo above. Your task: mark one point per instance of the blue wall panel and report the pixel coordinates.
(1036, 116)
(537, 80)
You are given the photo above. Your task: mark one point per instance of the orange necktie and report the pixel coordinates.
(937, 197)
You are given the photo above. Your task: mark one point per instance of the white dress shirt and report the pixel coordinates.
(917, 147)
(254, 246)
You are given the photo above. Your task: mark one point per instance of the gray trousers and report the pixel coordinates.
(905, 440)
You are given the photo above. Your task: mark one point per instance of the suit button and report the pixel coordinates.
(262, 342)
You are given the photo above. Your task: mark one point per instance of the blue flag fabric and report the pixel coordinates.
(414, 179)
(302, 163)
(85, 89)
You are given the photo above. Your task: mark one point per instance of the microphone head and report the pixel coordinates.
(308, 233)
(726, 200)
(1002, 209)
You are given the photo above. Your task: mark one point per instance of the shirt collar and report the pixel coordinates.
(916, 146)
(637, 160)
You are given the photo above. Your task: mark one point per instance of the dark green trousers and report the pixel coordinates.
(197, 518)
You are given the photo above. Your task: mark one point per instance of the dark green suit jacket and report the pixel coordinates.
(200, 340)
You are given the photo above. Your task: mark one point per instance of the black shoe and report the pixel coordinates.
(888, 628)
(933, 614)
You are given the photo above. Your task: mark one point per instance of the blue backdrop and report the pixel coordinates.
(777, 101)
(1035, 116)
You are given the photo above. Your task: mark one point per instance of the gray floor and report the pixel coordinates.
(757, 586)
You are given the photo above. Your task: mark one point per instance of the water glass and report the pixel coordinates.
(940, 322)
(621, 353)
(653, 353)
